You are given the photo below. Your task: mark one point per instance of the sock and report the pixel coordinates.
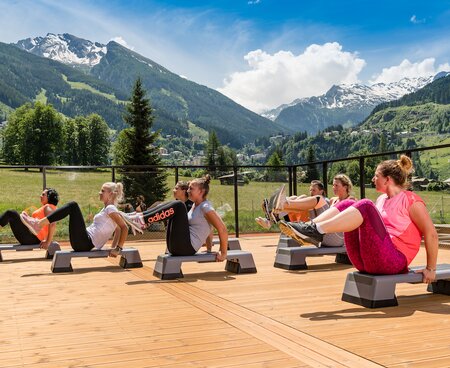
(319, 229)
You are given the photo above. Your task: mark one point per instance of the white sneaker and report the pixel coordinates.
(135, 222)
(31, 223)
(279, 199)
(263, 222)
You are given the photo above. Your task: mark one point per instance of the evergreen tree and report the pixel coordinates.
(311, 171)
(275, 174)
(212, 148)
(136, 146)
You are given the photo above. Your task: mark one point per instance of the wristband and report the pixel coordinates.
(430, 269)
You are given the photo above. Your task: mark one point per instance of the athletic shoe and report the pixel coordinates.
(276, 199)
(302, 232)
(269, 213)
(286, 229)
(263, 222)
(31, 223)
(279, 199)
(135, 222)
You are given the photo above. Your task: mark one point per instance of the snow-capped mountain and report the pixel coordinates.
(346, 104)
(357, 95)
(65, 48)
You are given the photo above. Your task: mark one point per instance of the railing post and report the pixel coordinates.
(236, 202)
(290, 179)
(176, 175)
(294, 180)
(113, 174)
(44, 178)
(362, 181)
(325, 176)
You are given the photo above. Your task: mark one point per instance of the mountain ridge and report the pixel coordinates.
(176, 100)
(346, 104)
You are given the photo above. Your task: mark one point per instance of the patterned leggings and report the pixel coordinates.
(370, 247)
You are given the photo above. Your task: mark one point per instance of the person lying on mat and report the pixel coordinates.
(106, 223)
(49, 200)
(186, 231)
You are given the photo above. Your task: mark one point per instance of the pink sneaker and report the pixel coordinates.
(31, 223)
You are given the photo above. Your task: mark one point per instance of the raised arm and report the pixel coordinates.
(214, 219)
(419, 215)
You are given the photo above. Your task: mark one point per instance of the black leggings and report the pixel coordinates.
(178, 237)
(79, 238)
(20, 231)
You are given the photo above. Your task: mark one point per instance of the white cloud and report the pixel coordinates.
(253, 2)
(121, 41)
(414, 20)
(282, 77)
(406, 69)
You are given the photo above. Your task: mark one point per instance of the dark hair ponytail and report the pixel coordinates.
(52, 196)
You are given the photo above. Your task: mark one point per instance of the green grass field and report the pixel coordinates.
(21, 190)
(81, 85)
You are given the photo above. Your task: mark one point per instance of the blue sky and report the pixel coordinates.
(259, 52)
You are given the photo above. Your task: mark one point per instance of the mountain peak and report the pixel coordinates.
(356, 96)
(65, 48)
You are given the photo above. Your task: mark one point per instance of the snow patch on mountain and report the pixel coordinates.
(357, 96)
(65, 48)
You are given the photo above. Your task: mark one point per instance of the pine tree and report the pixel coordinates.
(212, 148)
(136, 146)
(275, 174)
(311, 171)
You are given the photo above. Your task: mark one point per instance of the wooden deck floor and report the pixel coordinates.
(103, 316)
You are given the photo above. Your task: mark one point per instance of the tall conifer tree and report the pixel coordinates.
(137, 147)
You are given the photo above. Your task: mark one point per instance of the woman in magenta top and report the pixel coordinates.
(383, 238)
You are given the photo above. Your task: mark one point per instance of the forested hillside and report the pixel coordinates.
(24, 77)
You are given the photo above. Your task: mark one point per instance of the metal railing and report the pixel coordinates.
(292, 171)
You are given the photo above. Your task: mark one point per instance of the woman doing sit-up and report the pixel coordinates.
(382, 238)
(187, 231)
(49, 200)
(106, 222)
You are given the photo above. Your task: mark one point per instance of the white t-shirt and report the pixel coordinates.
(103, 226)
(199, 228)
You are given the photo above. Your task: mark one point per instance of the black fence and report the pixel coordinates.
(289, 174)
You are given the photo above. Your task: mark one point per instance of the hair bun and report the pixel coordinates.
(207, 178)
(405, 163)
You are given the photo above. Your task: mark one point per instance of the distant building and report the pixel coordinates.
(198, 160)
(276, 139)
(419, 183)
(229, 179)
(258, 157)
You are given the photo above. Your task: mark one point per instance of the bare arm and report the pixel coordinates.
(419, 215)
(51, 229)
(209, 240)
(214, 219)
(121, 232)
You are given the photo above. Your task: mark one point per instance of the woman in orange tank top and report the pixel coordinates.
(49, 200)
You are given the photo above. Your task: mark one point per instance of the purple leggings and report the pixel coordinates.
(370, 247)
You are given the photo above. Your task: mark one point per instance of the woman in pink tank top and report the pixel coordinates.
(382, 238)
